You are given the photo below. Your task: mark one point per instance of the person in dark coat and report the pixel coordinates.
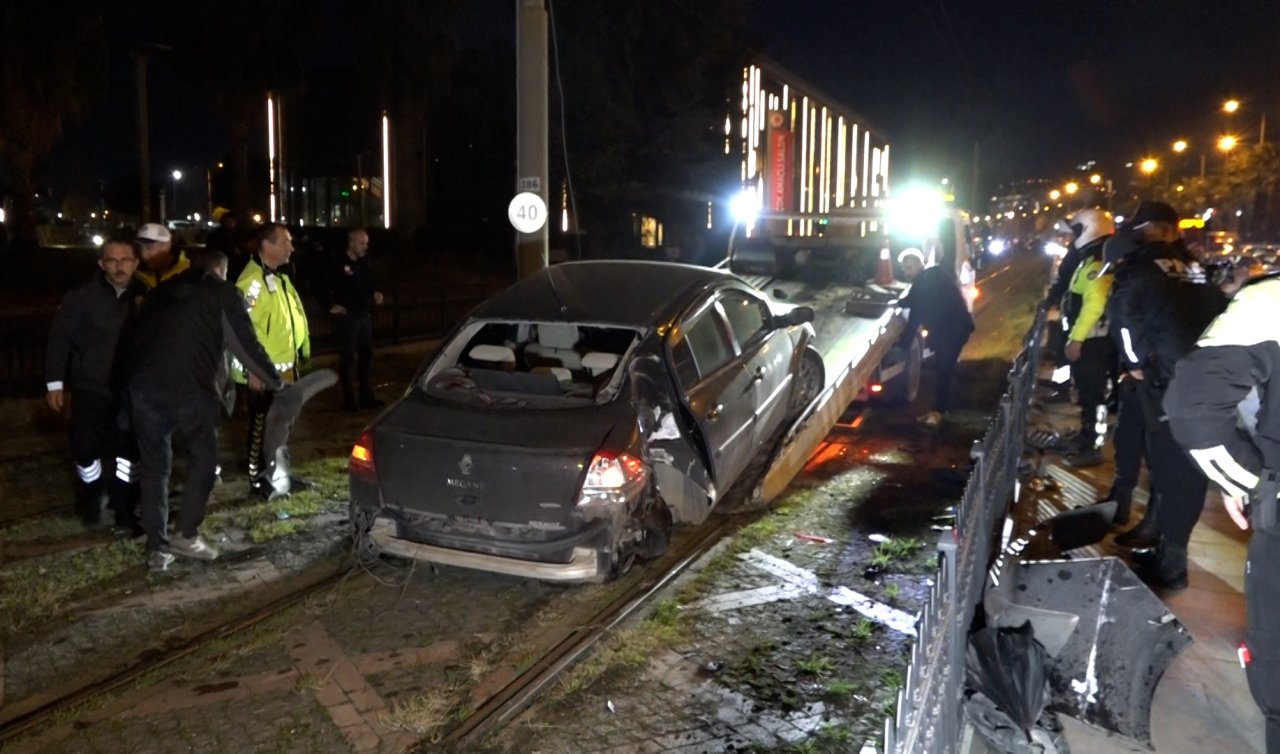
(1161, 300)
(938, 308)
(176, 363)
(354, 296)
(81, 374)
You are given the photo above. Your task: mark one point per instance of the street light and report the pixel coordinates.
(1072, 187)
(1149, 165)
(1095, 179)
(177, 176)
(1180, 146)
(1227, 143)
(1230, 106)
(1055, 195)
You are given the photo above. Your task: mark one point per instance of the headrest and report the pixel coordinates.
(598, 362)
(493, 354)
(558, 335)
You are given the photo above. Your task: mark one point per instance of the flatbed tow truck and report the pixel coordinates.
(848, 280)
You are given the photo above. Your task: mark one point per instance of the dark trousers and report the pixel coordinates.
(155, 422)
(1177, 481)
(1130, 440)
(259, 402)
(946, 354)
(1262, 602)
(1091, 372)
(104, 458)
(355, 347)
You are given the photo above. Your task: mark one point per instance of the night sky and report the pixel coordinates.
(1040, 85)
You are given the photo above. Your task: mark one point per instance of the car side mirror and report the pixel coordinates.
(796, 316)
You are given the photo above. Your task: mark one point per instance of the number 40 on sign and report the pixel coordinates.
(527, 212)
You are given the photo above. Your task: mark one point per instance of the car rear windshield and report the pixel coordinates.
(526, 363)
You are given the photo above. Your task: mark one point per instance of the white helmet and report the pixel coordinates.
(1089, 225)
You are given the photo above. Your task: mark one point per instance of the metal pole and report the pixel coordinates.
(144, 153)
(531, 125)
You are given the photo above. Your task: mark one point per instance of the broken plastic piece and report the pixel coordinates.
(814, 538)
(609, 704)
(877, 538)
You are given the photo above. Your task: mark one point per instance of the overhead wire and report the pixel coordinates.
(564, 134)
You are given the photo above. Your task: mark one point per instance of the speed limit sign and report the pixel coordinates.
(527, 212)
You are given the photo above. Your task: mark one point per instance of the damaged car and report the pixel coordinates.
(568, 422)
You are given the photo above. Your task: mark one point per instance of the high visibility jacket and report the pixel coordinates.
(278, 318)
(1090, 290)
(149, 279)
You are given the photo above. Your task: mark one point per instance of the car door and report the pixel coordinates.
(767, 353)
(717, 389)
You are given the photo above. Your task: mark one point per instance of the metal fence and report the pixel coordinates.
(24, 335)
(929, 712)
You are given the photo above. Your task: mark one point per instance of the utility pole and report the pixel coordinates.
(144, 153)
(531, 126)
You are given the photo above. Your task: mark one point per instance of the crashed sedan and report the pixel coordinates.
(569, 421)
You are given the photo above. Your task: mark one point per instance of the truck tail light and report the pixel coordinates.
(360, 465)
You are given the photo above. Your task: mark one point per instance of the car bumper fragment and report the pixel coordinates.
(583, 566)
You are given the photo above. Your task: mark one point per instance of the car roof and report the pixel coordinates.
(635, 293)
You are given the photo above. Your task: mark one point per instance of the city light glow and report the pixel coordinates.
(1149, 165)
(1227, 143)
(386, 171)
(1180, 146)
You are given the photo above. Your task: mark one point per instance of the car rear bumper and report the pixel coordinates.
(585, 563)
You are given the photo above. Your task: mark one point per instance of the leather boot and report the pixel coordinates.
(1141, 537)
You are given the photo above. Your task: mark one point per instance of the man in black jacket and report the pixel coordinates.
(1161, 301)
(937, 306)
(1239, 352)
(81, 360)
(354, 296)
(176, 359)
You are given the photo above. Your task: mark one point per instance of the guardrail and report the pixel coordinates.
(928, 719)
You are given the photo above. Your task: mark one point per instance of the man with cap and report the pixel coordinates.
(81, 362)
(176, 357)
(159, 262)
(1161, 300)
(937, 306)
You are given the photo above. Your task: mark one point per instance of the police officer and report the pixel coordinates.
(280, 322)
(175, 360)
(81, 360)
(1089, 349)
(354, 296)
(1240, 351)
(1161, 301)
(936, 304)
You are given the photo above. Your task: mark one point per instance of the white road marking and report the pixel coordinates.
(798, 582)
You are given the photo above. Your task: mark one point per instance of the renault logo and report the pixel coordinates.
(465, 465)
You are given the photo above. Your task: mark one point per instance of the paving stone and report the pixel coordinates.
(345, 715)
(366, 700)
(331, 695)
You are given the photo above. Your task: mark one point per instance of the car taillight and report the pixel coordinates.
(876, 387)
(360, 465)
(610, 472)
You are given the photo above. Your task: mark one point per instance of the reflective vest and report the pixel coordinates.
(278, 319)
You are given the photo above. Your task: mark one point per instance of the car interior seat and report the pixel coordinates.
(556, 346)
(599, 362)
(493, 357)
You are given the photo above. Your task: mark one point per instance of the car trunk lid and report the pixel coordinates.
(500, 466)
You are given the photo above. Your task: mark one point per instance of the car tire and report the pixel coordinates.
(656, 525)
(903, 389)
(809, 381)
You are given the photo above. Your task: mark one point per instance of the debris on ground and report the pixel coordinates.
(814, 538)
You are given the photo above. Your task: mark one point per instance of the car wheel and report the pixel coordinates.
(655, 529)
(809, 379)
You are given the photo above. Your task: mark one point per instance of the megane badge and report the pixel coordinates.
(465, 464)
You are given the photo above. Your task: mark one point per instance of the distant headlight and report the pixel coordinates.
(1055, 249)
(996, 246)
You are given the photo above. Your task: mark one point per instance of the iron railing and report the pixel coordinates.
(928, 719)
